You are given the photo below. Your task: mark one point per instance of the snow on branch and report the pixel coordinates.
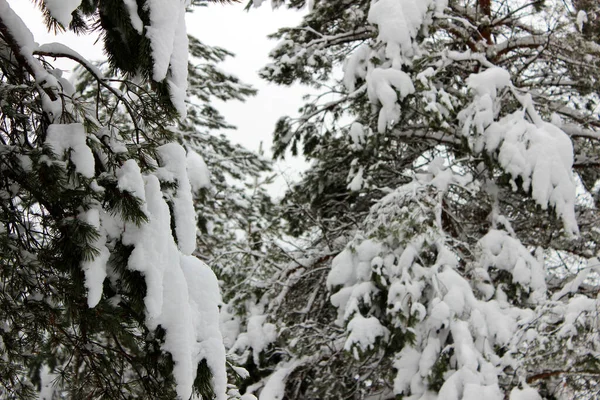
(20, 40)
(62, 10)
(539, 153)
(169, 43)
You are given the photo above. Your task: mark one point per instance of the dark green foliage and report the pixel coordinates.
(123, 202)
(436, 376)
(323, 213)
(47, 330)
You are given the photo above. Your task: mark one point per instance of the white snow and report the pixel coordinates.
(357, 181)
(437, 295)
(24, 39)
(501, 251)
(178, 77)
(260, 334)
(173, 159)
(573, 285)
(404, 293)
(155, 249)
(164, 18)
(489, 81)
(60, 48)
(230, 326)
(47, 379)
(526, 393)
(176, 316)
(197, 171)
(274, 388)
(129, 178)
(464, 346)
(481, 113)
(582, 18)
(526, 147)
(168, 42)
(95, 269)
(429, 356)
(61, 10)
(342, 270)
(542, 155)
(357, 134)
(204, 298)
(473, 391)
(136, 21)
(356, 67)
(182, 293)
(363, 332)
(381, 89)
(407, 365)
(63, 137)
(573, 312)
(17, 29)
(398, 23)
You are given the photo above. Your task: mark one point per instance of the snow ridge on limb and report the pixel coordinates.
(22, 44)
(168, 41)
(525, 146)
(274, 388)
(136, 21)
(188, 313)
(95, 269)
(174, 168)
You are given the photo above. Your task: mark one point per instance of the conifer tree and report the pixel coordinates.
(101, 296)
(448, 210)
(236, 218)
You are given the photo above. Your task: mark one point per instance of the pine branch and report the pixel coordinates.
(21, 58)
(72, 55)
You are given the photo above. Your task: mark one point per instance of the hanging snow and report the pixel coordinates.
(381, 88)
(95, 269)
(173, 159)
(62, 10)
(63, 137)
(197, 170)
(136, 21)
(168, 42)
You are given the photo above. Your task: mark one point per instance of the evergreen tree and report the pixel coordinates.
(235, 215)
(101, 296)
(449, 208)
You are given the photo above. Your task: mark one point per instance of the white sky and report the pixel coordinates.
(241, 32)
(245, 34)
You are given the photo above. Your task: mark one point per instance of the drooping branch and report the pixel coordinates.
(25, 60)
(60, 50)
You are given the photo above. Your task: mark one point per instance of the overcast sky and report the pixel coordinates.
(244, 33)
(241, 32)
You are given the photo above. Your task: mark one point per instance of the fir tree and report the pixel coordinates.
(235, 215)
(101, 296)
(451, 249)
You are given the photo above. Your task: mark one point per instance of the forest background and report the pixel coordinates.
(441, 244)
